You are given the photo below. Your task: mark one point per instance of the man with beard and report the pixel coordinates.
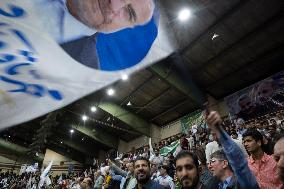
(279, 156)
(142, 175)
(86, 29)
(187, 170)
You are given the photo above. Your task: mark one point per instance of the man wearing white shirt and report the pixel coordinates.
(190, 140)
(214, 146)
(164, 178)
(130, 181)
(154, 170)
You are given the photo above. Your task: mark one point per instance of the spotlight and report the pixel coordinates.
(61, 142)
(124, 77)
(110, 92)
(85, 118)
(93, 109)
(184, 14)
(72, 131)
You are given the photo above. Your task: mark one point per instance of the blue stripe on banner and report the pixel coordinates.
(126, 48)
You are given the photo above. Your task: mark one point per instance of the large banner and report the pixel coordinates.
(53, 52)
(192, 122)
(259, 99)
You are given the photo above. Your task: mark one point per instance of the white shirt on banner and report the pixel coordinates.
(58, 22)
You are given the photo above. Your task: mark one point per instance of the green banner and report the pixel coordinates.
(195, 118)
(170, 148)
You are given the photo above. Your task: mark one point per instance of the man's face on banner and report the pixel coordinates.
(246, 105)
(109, 16)
(265, 90)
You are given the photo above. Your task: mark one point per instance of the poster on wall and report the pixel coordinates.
(192, 122)
(53, 52)
(259, 99)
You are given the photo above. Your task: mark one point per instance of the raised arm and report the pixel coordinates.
(233, 152)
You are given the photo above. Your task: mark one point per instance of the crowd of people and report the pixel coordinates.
(222, 155)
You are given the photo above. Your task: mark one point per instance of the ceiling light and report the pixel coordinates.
(84, 118)
(129, 103)
(184, 14)
(215, 36)
(110, 92)
(93, 109)
(72, 131)
(124, 77)
(82, 139)
(61, 142)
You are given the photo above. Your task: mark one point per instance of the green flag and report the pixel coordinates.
(195, 118)
(170, 148)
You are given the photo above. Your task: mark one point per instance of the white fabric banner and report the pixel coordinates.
(37, 76)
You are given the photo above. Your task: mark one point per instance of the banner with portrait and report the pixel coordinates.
(53, 52)
(259, 99)
(192, 122)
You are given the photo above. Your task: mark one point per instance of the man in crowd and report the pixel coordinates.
(282, 126)
(271, 129)
(215, 145)
(184, 142)
(154, 169)
(233, 152)
(279, 156)
(221, 169)
(187, 170)
(164, 178)
(130, 181)
(87, 183)
(143, 176)
(99, 180)
(262, 165)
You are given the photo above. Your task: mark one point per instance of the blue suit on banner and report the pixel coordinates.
(110, 52)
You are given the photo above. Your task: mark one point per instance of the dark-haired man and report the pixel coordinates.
(86, 183)
(164, 178)
(233, 153)
(262, 165)
(187, 170)
(221, 169)
(143, 176)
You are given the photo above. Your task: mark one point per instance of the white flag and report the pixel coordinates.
(44, 174)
